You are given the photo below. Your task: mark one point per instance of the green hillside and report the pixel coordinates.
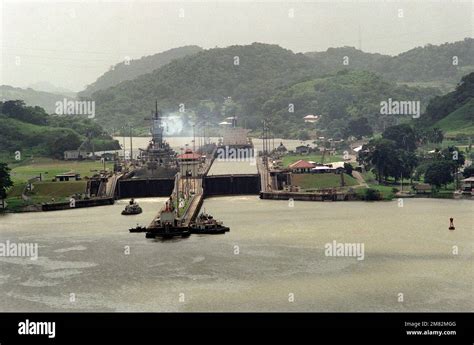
(459, 122)
(452, 112)
(447, 62)
(203, 81)
(262, 80)
(31, 131)
(338, 99)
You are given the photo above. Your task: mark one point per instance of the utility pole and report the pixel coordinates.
(194, 137)
(177, 194)
(131, 144)
(123, 140)
(401, 182)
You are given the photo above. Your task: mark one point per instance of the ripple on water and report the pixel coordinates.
(64, 250)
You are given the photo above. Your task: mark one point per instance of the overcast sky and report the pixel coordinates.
(71, 43)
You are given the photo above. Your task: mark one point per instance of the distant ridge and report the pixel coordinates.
(45, 100)
(130, 70)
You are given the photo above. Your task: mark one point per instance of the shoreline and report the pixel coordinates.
(309, 197)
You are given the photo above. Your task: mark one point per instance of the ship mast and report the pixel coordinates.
(157, 128)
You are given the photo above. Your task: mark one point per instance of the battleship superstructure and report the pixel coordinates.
(158, 159)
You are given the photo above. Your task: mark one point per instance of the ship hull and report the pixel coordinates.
(168, 232)
(209, 230)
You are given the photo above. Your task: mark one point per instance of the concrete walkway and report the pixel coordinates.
(357, 175)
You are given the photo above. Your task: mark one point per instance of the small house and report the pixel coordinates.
(301, 167)
(70, 176)
(320, 169)
(336, 167)
(422, 188)
(74, 155)
(311, 118)
(468, 184)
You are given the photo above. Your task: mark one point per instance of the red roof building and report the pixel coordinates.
(189, 163)
(189, 155)
(301, 166)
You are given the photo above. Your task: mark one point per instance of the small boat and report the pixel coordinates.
(132, 208)
(206, 224)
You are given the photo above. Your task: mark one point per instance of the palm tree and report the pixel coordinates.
(436, 135)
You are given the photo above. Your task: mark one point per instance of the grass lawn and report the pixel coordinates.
(369, 177)
(48, 167)
(385, 191)
(289, 159)
(16, 190)
(59, 189)
(44, 192)
(319, 181)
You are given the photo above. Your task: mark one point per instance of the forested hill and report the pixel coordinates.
(263, 80)
(128, 70)
(453, 112)
(34, 132)
(441, 65)
(335, 59)
(340, 99)
(448, 62)
(248, 74)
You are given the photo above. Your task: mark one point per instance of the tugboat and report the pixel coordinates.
(167, 225)
(132, 208)
(206, 224)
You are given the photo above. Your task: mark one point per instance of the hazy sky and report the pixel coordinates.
(71, 43)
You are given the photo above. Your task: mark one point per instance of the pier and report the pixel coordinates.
(191, 187)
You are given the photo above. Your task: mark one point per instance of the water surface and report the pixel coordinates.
(273, 250)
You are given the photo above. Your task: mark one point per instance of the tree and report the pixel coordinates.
(468, 171)
(452, 155)
(348, 168)
(438, 173)
(5, 181)
(57, 144)
(303, 135)
(403, 135)
(358, 127)
(372, 195)
(436, 136)
(381, 155)
(19, 111)
(408, 163)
